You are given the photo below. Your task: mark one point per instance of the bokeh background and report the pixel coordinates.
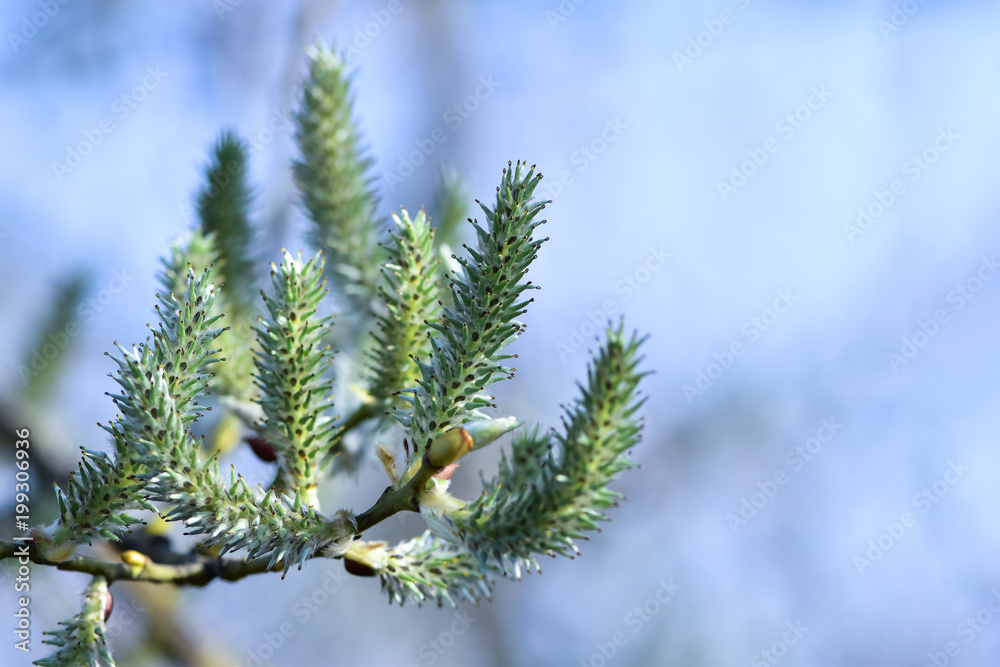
(709, 166)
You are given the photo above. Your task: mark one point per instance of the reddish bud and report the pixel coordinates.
(264, 450)
(109, 605)
(448, 471)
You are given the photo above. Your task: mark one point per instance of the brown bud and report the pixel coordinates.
(264, 450)
(358, 568)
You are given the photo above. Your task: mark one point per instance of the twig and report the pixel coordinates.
(199, 573)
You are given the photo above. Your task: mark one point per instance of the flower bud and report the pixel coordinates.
(447, 471)
(449, 447)
(359, 569)
(264, 450)
(134, 558)
(109, 605)
(486, 431)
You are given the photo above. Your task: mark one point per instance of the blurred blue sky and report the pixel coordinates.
(636, 113)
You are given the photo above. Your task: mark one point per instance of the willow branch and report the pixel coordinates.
(198, 573)
(405, 498)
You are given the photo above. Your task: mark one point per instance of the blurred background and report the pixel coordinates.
(797, 201)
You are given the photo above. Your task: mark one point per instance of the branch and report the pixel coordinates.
(420, 490)
(170, 372)
(141, 568)
(364, 412)
(405, 498)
